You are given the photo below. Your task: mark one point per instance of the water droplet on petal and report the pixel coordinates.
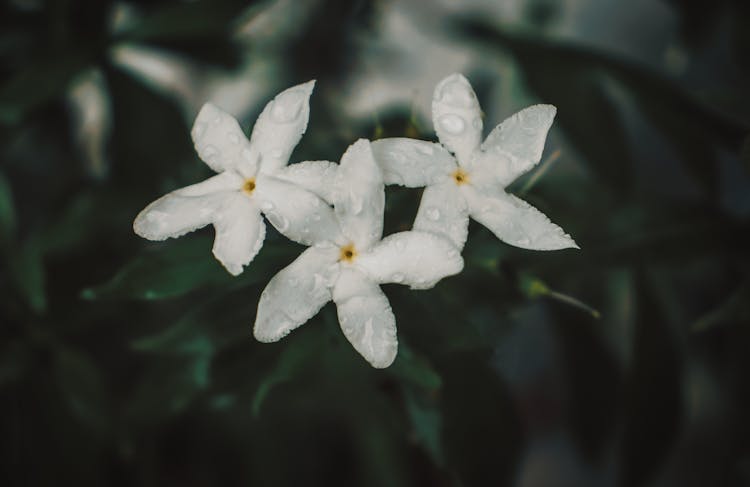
(293, 281)
(433, 214)
(234, 138)
(287, 106)
(199, 129)
(316, 216)
(477, 123)
(400, 245)
(425, 149)
(209, 151)
(278, 221)
(397, 277)
(453, 124)
(357, 203)
(276, 153)
(267, 206)
(398, 156)
(217, 119)
(457, 93)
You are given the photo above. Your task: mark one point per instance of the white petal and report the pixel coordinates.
(240, 232)
(516, 145)
(417, 259)
(360, 196)
(366, 318)
(412, 163)
(297, 213)
(457, 116)
(295, 294)
(185, 209)
(280, 126)
(316, 176)
(516, 222)
(443, 211)
(220, 142)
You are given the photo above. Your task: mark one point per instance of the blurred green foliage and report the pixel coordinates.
(126, 362)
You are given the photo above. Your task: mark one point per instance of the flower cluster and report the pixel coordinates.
(337, 209)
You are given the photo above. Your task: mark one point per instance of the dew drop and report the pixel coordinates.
(267, 206)
(199, 129)
(397, 277)
(453, 124)
(425, 149)
(316, 216)
(287, 106)
(357, 203)
(400, 245)
(457, 93)
(217, 119)
(433, 214)
(210, 151)
(276, 153)
(398, 156)
(278, 221)
(233, 138)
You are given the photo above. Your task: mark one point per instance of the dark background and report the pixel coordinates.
(127, 362)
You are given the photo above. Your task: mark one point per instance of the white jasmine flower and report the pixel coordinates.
(471, 180)
(348, 266)
(250, 182)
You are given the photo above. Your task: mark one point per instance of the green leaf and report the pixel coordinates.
(413, 370)
(186, 21)
(293, 358)
(7, 212)
(206, 328)
(38, 83)
(426, 419)
(168, 386)
(27, 271)
(653, 402)
(172, 269)
(83, 388)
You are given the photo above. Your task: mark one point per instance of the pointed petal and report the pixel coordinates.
(360, 196)
(220, 142)
(417, 259)
(280, 126)
(295, 294)
(443, 211)
(185, 209)
(366, 318)
(457, 117)
(515, 146)
(412, 163)
(240, 232)
(297, 213)
(516, 222)
(315, 176)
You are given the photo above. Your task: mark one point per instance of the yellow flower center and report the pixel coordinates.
(348, 253)
(249, 186)
(460, 176)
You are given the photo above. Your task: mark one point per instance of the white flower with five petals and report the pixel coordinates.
(252, 180)
(348, 264)
(472, 180)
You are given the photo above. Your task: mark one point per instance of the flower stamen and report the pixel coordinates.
(460, 176)
(348, 253)
(249, 186)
